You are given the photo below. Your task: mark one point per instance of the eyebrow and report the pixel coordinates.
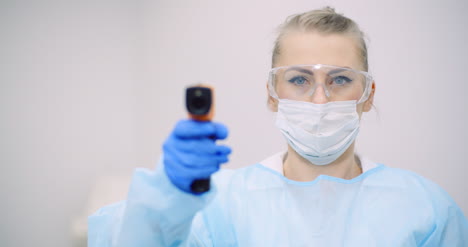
(335, 71)
(306, 71)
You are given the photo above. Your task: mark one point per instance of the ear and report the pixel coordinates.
(271, 102)
(370, 101)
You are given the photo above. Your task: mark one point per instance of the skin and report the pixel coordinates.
(332, 49)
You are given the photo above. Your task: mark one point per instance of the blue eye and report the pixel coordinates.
(298, 80)
(341, 80)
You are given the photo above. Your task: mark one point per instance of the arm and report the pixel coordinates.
(451, 226)
(163, 219)
(160, 207)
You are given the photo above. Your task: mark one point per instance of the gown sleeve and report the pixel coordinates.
(451, 225)
(155, 213)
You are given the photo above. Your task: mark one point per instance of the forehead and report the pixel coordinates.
(314, 48)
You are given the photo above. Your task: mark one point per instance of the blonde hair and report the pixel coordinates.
(325, 21)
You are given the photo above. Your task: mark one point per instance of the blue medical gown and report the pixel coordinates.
(256, 206)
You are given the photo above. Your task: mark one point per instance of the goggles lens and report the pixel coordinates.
(301, 82)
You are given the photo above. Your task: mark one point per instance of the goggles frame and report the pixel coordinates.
(367, 76)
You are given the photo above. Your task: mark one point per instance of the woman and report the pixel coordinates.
(317, 193)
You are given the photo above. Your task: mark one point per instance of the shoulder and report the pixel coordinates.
(413, 190)
(425, 201)
(401, 178)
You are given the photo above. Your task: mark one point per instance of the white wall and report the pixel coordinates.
(89, 89)
(67, 111)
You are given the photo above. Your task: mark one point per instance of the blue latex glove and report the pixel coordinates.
(191, 153)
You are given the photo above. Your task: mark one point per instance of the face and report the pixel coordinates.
(314, 48)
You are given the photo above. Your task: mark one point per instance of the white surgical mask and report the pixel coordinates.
(318, 132)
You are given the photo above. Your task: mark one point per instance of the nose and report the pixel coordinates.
(319, 96)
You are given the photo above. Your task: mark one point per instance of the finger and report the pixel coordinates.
(219, 154)
(194, 129)
(205, 172)
(221, 131)
(223, 149)
(194, 159)
(222, 159)
(196, 146)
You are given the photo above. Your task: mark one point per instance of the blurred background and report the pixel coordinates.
(90, 90)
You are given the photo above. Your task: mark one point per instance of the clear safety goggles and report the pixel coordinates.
(300, 82)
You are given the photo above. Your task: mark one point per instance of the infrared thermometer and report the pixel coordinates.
(200, 106)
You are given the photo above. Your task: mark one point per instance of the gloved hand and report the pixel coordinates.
(191, 153)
